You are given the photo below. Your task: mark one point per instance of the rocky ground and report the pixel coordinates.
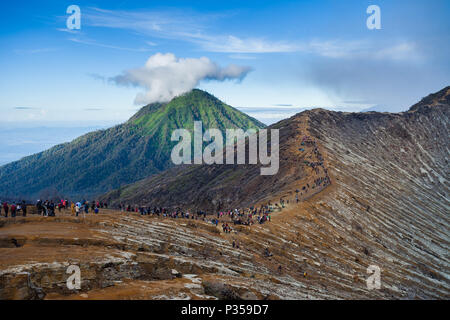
(323, 252)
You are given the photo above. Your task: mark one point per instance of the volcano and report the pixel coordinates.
(107, 159)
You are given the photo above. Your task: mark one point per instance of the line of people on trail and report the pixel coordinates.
(162, 212)
(14, 208)
(247, 216)
(83, 207)
(48, 208)
(322, 181)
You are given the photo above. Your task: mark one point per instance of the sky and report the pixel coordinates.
(270, 59)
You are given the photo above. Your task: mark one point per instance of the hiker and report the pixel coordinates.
(267, 253)
(45, 209)
(72, 208)
(279, 269)
(96, 210)
(77, 210)
(24, 208)
(39, 207)
(5, 208)
(13, 210)
(52, 208)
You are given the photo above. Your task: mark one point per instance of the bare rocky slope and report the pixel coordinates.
(387, 205)
(413, 142)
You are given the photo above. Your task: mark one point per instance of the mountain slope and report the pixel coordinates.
(392, 139)
(387, 204)
(106, 159)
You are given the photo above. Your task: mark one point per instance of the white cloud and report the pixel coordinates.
(359, 49)
(233, 44)
(98, 44)
(165, 76)
(195, 28)
(401, 51)
(68, 30)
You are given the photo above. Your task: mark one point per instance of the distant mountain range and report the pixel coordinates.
(107, 159)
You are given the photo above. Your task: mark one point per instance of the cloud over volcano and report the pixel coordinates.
(165, 76)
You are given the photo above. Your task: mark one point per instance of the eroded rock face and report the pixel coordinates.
(113, 248)
(220, 290)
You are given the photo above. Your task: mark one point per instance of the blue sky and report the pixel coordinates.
(289, 55)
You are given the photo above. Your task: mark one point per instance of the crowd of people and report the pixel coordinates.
(316, 162)
(48, 208)
(84, 206)
(247, 216)
(15, 208)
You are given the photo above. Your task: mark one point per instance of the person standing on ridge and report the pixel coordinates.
(13, 210)
(6, 208)
(24, 208)
(52, 208)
